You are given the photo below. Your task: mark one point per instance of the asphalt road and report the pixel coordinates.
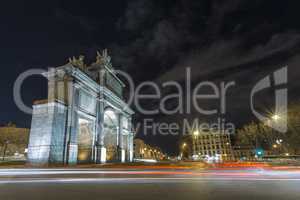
(148, 184)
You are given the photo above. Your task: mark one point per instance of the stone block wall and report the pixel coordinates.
(46, 141)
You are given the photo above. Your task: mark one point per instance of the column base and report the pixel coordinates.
(101, 154)
(130, 156)
(72, 154)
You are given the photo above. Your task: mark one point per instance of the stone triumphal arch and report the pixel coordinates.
(84, 119)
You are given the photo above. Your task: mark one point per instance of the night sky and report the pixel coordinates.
(240, 40)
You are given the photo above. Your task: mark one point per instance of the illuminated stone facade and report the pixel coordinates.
(13, 140)
(85, 119)
(145, 151)
(212, 145)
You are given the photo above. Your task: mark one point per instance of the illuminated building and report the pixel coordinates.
(145, 151)
(13, 140)
(212, 145)
(84, 119)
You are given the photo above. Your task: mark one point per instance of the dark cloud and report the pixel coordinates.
(137, 15)
(239, 41)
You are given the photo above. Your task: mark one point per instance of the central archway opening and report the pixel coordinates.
(85, 140)
(111, 135)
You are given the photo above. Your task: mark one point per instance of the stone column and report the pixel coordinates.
(72, 122)
(51, 76)
(69, 101)
(100, 150)
(121, 150)
(131, 150)
(130, 140)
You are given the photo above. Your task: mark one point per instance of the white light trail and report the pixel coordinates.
(133, 180)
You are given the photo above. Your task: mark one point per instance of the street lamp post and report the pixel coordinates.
(182, 149)
(275, 118)
(195, 135)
